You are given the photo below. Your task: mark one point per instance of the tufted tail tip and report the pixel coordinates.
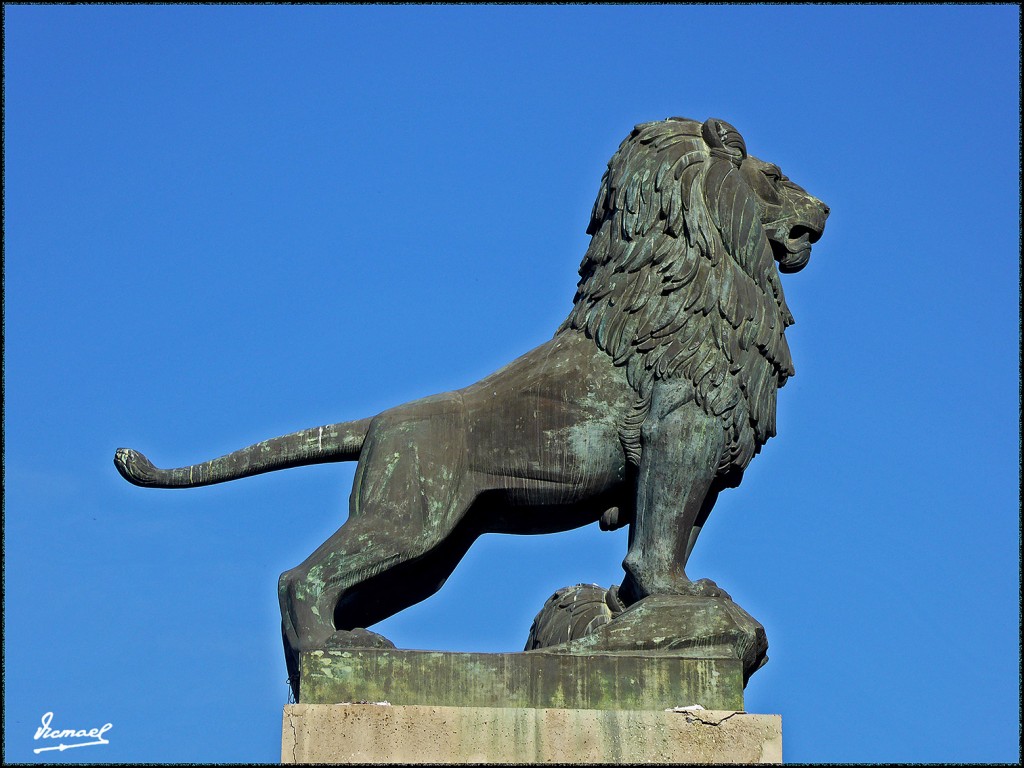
(135, 468)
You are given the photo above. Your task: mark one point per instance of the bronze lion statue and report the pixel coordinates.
(652, 397)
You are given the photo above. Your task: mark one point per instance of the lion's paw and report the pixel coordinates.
(630, 592)
(708, 588)
(344, 639)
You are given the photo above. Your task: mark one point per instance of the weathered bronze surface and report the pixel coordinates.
(652, 397)
(596, 680)
(586, 619)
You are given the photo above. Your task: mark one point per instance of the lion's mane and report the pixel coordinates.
(679, 281)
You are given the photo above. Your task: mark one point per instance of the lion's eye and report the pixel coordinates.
(773, 172)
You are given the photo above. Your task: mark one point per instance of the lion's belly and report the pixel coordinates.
(543, 459)
(545, 427)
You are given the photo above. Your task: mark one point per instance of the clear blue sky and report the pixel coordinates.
(228, 223)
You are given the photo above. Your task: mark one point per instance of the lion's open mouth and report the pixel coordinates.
(805, 234)
(794, 252)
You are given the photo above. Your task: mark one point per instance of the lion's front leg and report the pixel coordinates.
(675, 490)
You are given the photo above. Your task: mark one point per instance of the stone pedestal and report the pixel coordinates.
(378, 733)
(396, 706)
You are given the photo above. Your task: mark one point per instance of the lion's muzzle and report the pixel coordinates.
(792, 246)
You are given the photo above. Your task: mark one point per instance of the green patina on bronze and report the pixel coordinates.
(652, 397)
(622, 681)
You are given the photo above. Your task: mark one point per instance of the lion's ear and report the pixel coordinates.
(724, 140)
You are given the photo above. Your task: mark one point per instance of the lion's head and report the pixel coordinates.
(680, 278)
(792, 219)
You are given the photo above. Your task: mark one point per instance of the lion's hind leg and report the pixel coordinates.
(402, 538)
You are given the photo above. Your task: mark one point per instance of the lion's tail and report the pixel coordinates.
(334, 442)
